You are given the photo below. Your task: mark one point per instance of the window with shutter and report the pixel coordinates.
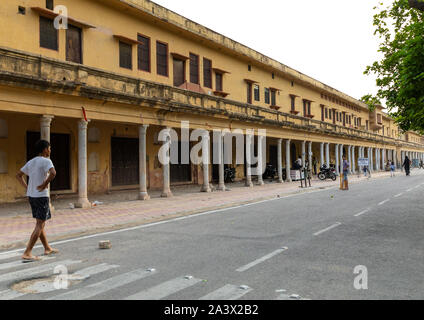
(267, 100)
(207, 73)
(293, 105)
(143, 53)
(48, 34)
(273, 98)
(256, 92)
(49, 4)
(249, 93)
(74, 44)
(218, 82)
(162, 58)
(194, 68)
(125, 55)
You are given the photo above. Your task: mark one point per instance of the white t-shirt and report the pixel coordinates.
(37, 170)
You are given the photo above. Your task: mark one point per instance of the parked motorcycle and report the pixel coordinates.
(270, 172)
(327, 173)
(229, 175)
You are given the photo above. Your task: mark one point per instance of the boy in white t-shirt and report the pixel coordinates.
(41, 172)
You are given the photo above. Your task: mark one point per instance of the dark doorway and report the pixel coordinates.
(73, 44)
(60, 157)
(180, 172)
(125, 162)
(273, 156)
(179, 72)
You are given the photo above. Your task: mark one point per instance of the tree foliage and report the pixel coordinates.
(400, 73)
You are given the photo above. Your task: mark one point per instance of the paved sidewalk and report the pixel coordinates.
(16, 222)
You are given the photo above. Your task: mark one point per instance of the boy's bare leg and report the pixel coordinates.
(39, 226)
(47, 249)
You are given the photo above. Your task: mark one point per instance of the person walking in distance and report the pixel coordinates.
(407, 166)
(392, 169)
(345, 166)
(41, 172)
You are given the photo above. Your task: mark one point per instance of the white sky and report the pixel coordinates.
(329, 40)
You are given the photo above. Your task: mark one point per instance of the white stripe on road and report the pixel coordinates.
(327, 229)
(79, 275)
(104, 286)
(37, 270)
(228, 292)
(362, 212)
(409, 190)
(165, 289)
(399, 195)
(383, 202)
(260, 260)
(9, 255)
(168, 221)
(17, 264)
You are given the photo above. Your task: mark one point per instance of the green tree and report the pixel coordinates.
(400, 73)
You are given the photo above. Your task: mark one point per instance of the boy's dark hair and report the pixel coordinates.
(41, 145)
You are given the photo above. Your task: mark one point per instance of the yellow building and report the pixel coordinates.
(136, 68)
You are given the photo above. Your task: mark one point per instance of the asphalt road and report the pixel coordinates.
(306, 245)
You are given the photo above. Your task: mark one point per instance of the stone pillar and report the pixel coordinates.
(303, 153)
(337, 160)
(249, 151)
(321, 154)
(353, 163)
(260, 161)
(383, 159)
(166, 191)
(205, 162)
(327, 155)
(310, 155)
(341, 158)
(280, 160)
(82, 166)
(45, 124)
(349, 152)
(142, 131)
(221, 186)
(288, 164)
(370, 160)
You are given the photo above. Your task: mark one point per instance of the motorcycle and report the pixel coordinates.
(229, 175)
(327, 173)
(270, 172)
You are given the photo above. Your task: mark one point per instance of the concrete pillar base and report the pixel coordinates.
(221, 188)
(143, 196)
(280, 181)
(261, 183)
(249, 184)
(166, 194)
(206, 189)
(83, 204)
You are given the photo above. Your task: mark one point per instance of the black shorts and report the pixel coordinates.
(40, 208)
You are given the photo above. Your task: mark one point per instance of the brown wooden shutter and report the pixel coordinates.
(273, 98)
(48, 34)
(218, 80)
(207, 73)
(249, 93)
(143, 53)
(73, 44)
(179, 72)
(194, 68)
(125, 55)
(49, 4)
(162, 58)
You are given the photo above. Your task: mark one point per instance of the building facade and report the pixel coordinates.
(102, 89)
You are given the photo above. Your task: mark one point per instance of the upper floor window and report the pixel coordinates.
(273, 98)
(162, 58)
(48, 34)
(249, 92)
(125, 55)
(194, 68)
(143, 53)
(306, 108)
(256, 92)
(218, 82)
(293, 103)
(326, 113)
(267, 97)
(74, 44)
(207, 73)
(49, 4)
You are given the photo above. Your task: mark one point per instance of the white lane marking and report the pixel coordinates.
(362, 212)
(165, 289)
(260, 260)
(228, 292)
(104, 286)
(79, 275)
(36, 270)
(409, 190)
(17, 264)
(9, 256)
(93, 270)
(167, 221)
(383, 202)
(327, 229)
(399, 195)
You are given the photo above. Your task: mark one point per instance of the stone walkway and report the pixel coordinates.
(121, 210)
